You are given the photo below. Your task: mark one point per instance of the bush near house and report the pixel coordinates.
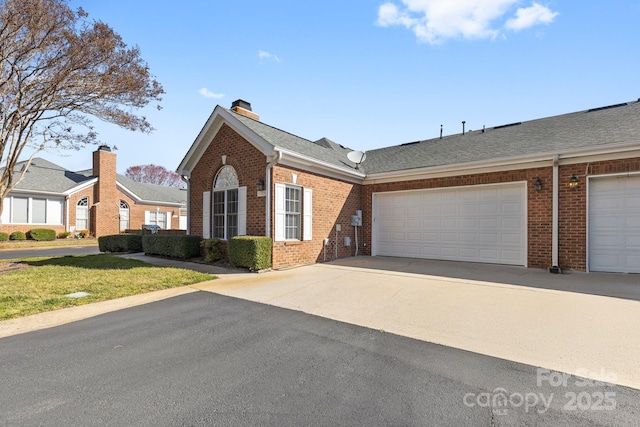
(4, 237)
(212, 250)
(173, 246)
(64, 235)
(253, 252)
(17, 235)
(41, 234)
(120, 243)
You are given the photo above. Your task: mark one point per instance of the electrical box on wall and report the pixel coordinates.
(356, 221)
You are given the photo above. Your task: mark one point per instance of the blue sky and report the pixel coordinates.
(368, 73)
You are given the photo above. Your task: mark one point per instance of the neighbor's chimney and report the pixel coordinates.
(244, 108)
(105, 208)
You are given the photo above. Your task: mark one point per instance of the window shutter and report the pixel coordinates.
(168, 216)
(306, 213)
(242, 211)
(206, 215)
(280, 212)
(146, 217)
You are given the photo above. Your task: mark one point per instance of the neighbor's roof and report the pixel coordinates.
(46, 177)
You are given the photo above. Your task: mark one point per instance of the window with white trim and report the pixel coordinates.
(23, 209)
(158, 218)
(293, 219)
(82, 214)
(228, 205)
(124, 215)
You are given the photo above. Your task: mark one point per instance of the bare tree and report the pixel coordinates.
(154, 174)
(57, 71)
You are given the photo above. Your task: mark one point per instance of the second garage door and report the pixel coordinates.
(479, 224)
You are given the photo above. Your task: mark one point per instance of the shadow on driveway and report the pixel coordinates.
(615, 285)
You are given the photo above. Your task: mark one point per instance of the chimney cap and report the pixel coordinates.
(242, 104)
(104, 147)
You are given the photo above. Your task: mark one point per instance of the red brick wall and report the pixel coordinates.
(539, 217)
(250, 165)
(573, 207)
(334, 202)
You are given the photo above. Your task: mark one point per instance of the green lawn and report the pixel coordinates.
(43, 284)
(25, 244)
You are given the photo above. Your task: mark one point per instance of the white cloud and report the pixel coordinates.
(208, 94)
(268, 56)
(529, 16)
(433, 21)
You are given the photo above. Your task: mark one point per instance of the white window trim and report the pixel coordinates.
(280, 213)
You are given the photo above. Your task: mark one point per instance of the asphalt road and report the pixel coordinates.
(207, 359)
(53, 252)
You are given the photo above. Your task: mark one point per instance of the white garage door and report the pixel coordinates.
(614, 224)
(480, 224)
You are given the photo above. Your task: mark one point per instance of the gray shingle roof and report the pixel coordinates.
(557, 134)
(44, 176)
(153, 192)
(568, 132)
(48, 177)
(324, 149)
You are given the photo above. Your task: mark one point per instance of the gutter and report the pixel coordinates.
(275, 159)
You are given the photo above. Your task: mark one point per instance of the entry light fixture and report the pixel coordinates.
(574, 182)
(260, 185)
(538, 184)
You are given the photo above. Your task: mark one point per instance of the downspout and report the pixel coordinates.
(275, 159)
(186, 179)
(554, 222)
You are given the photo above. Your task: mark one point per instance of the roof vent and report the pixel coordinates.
(244, 108)
(410, 143)
(506, 126)
(607, 107)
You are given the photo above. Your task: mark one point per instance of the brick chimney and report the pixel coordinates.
(105, 211)
(244, 108)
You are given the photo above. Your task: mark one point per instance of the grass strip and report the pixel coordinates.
(43, 284)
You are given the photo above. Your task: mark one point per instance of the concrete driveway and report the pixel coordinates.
(583, 324)
(523, 315)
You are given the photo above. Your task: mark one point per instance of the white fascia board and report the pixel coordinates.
(609, 152)
(35, 193)
(293, 159)
(458, 169)
(219, 117)
(140, 201)
(82, 186)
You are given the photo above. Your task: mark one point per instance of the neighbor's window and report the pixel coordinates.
(124, 215)
(82, 214)
(225, 203)
(158, 218)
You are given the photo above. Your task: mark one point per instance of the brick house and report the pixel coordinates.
(98, 200)
(556, 193)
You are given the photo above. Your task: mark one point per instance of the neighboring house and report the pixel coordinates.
(559, 192)
(98, 200)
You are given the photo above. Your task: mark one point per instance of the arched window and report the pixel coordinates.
(225, 203)
(82, 214)
(124, 215)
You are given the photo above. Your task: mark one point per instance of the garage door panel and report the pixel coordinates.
(614, 224)
(481, 224)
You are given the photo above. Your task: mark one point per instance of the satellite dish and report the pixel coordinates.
(357, 157)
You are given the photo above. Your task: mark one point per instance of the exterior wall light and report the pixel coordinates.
(260, 185)
(538, 184)
(574, 182)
